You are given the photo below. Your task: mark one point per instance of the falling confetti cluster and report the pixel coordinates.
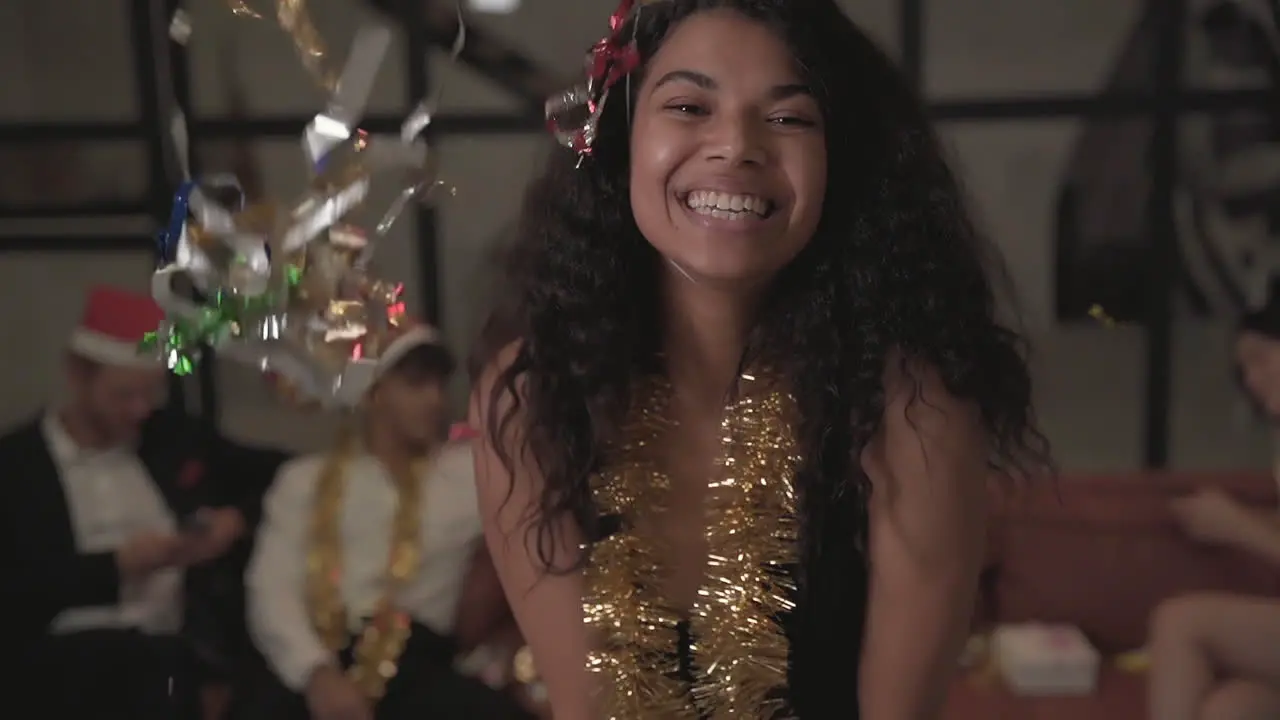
(285, 285)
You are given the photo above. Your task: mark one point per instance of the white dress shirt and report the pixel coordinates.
(276, 578)
(110, 498)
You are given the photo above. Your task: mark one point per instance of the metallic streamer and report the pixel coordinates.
(294, 18)
(288, 284)
(740, 648)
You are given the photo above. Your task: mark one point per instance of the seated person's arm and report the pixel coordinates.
(42, 581)
(275, 583)
(548, 607)
(1258, 533)
(488, 636)
(1214, 517)
(482, 608)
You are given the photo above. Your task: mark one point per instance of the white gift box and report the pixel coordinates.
(1039, 659)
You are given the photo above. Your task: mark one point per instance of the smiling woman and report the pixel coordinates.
(742, 321)
(727, 122)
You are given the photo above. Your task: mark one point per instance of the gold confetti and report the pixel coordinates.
(294, 17)
(1098, 313)
(1135, 661)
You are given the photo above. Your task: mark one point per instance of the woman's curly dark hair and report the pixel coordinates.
(894, 268)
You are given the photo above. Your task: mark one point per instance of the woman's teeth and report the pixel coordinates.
(728, 207)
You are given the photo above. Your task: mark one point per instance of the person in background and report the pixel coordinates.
(368, 579)
(107, 502)
(1217, 656)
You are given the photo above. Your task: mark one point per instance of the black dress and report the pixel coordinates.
(825, 630)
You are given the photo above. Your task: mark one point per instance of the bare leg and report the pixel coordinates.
(1199, 638)
(1241, 700)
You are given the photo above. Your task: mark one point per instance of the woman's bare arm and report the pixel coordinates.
(929, 472)
(548, 607)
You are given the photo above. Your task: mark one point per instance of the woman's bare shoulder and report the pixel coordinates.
(493, 382)
(496, 413)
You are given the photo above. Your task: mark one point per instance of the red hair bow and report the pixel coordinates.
(572, 116)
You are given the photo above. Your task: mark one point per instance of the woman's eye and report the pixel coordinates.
(791, 121)
(686, 109)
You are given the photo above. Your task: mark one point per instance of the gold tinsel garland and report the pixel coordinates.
(740, 647)
(377, 651)
(634, 630)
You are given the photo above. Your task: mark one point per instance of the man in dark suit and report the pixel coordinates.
(106, 505)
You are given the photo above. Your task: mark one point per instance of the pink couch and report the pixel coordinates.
(1100, 553)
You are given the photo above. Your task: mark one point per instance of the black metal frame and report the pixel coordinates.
(1164, 104)
(1163, 160)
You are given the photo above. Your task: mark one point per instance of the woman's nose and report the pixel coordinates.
(736, 140)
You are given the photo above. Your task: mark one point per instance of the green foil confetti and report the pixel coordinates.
(179, 341)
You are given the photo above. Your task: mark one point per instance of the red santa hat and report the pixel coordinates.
(112, 326)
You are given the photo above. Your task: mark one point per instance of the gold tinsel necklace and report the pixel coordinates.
(739, 645)
(377, 650)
